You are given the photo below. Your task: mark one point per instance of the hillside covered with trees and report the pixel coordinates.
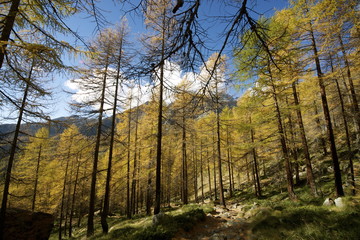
(156, 128)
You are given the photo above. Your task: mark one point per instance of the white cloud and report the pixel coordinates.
(173, 77)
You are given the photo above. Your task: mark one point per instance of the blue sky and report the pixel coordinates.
(113, 12)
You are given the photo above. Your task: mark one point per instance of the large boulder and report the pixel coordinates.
(26, 225)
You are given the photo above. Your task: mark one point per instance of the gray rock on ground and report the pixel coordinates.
(339, 202)
(328, 202)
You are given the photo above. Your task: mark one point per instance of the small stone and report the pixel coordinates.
(225, 215)
(339, 202)
(328, 202)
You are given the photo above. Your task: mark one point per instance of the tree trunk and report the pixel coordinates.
(318, 124)
(214, 166)
(90, 223)
(254, 154)
(68, 199)
(355, 103)
(105, 211)
(7, 28)
(292, 143)
(208, 170)
(36, 180)
(347, 132)
(159, 133)
(149, 187)
(326, 111)
(138, 188)
(64, 190)
(201, 173)
(128, 207)
(12, 155)
(289, 177)
(221, 187)
(229, 161)
(247, 168)
(184, 164)
(134, 177)
(74, 198)
(309, 172)
(195, 173)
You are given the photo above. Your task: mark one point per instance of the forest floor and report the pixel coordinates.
(222, 223)
(245, 217)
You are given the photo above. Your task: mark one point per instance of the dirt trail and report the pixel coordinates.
(220, 224)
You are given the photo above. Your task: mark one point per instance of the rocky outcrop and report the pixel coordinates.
(26, 225)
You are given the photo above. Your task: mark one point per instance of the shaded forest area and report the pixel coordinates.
(291, 138)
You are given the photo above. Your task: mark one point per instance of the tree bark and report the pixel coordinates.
(195, 173)
(284, 148)
(105, 211)
(229, 161)
(64, 190)
(12, 155)
(347, 132)
(219, 160)
(355, 103)
(326, 111)
(256, 171)
(128, 206)
(7, 28)
(208, 170)
(184, 163)
(214, 163)
(201, 172)
(36, 180)
(134, 177)
(74, 198)
(309, 172)
(90, 222)
(159, 134)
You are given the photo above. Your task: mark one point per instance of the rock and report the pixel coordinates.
(339, 202)
(24, 225)
(160, 218)
(221, 209)
(328, 202)
(236, 206)
(225, 215)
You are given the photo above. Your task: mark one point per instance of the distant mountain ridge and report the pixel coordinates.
(87, 126)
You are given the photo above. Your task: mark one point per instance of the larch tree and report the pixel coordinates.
(303, 14)
(159, 20)
(29, 66)
(213, 76)
(93, 84)
(118, 39)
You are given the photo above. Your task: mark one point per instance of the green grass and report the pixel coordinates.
(309, 222)
(141, 228)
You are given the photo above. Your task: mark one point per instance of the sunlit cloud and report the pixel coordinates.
(138, 92)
